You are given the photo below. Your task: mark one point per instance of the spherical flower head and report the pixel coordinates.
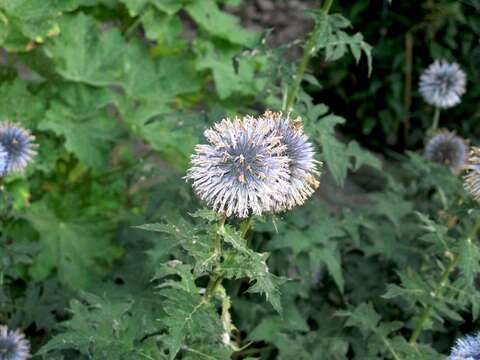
(242, 170)
(471, 180)
(466, 348)
(304, 169)
(447, 149)
(13, 345)
(19, 146)
(442, 84)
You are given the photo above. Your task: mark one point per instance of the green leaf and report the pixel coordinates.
(100, 329)
(218, 23)
(196, 241)
(18, 104)
(362, 157)
(166, 30)
(228, 80)
(80, 116)
(83, 53)
(29, 19)
(158, 80)
(331, 257)
(469, 260)
(334, 152)
(336, 157)
(245, 263)
(78, 251)
(336, 42)
(189, 319)
(168, 6)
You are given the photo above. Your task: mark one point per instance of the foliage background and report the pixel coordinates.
(117, 94)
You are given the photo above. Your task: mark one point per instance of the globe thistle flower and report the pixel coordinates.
(442, 84)
(447, 149)
(466, 348)
(19, 146)
(243, 169)
(471, 180)
(13, 345)
(303, 167)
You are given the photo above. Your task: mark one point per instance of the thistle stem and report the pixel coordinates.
(245, 226)
(216, 279)
(436, 118)
(307, 54)
(440, 285)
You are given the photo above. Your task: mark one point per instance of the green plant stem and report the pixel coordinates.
(216, 279)
(436, 118)
(440, 285)
(245, 226)
(307, 54)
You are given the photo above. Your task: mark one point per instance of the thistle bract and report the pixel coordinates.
(466, 348)
(302, 165)
(18, 144)
(442, 84)
(447, 149)
(242, 170)
(472, 178)
(13, 345)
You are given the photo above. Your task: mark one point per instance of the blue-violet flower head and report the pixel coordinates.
(242, 170)
(447, 149)
(13, 345)
(304, 169)
(466, 348)
(442, 84)
(19, 146)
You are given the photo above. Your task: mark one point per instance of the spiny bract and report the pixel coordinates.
(243, 169)
(447, 149)
(19, 146)
(302, 165)
(442, 84)
(466, 348)
(472, 178)
(13, 345)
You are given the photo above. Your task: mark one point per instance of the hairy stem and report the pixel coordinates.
(440, 285)
(307, 54)
(216, 279)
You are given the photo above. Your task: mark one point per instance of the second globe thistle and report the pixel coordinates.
(13, 345)
(466, 348)
(18, 145)
(303, 166)
(442, 84)
(447, 149)
(243, 169)
(472, 178)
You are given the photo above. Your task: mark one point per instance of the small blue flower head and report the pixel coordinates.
(471, 181)
(442, 84)
(466, 348)
(447, 149)
(304, 169)
(18, 144)
(242, 170)
(13, 345)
